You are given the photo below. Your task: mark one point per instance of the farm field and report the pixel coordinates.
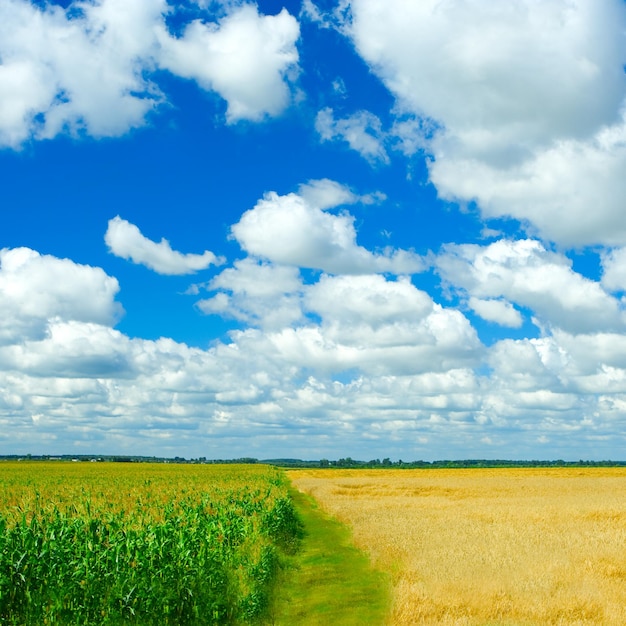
(108, 543)
(505, 547)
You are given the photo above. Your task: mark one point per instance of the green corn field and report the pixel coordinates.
(90, 544)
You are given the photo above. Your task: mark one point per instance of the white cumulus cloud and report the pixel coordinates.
(245, 59)
(370, 299)
(377, 326)
(92, 67)
(525, 273)
(76, 71)
(498, 311)
(256, 293)
(35, 288)
(126, 241)
(71, 350)
(552, 189)
(290, 230)
(520, 104)
(614, 269)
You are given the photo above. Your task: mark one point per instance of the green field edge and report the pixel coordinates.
(328, 580)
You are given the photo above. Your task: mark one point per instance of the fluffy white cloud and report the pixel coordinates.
(499, 77)
(368, 299)
(443, 341)
(553, 188)
(497, 311)
(525, 273)
(589, 353)
(71, 350)
(526, 100)
(90, 68)
(365, 322)
(362, 323)
(362, 131)
(569, 381)
(527, 365)
(373, 325)
(256, 293)
(614, 269)
(245, 59)
(77, 71)
(258, 279)
(290, 230)
(35, 288)
(126, 241)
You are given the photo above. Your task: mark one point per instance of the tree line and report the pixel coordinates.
(344, 462)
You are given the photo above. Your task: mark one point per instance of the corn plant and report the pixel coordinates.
(205, 554)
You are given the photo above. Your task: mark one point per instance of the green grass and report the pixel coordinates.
(328, 581)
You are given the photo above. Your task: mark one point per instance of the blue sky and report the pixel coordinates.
(313, 229)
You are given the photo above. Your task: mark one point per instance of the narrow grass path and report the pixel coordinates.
(329, 581)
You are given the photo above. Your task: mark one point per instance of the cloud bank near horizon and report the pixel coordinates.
(367, 356)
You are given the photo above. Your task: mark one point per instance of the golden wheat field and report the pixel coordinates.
(488, 546)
